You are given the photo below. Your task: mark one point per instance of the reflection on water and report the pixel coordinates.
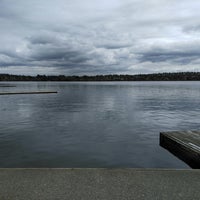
(109, 124)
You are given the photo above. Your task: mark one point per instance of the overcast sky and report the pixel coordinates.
(99, 36)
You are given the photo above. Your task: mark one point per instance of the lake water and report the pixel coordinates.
(95, 124)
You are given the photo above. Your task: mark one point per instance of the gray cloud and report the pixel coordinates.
(99, 37)
(182, 57)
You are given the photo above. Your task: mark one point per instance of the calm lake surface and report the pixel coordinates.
(95, 124)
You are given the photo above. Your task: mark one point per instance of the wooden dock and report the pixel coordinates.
(183, 144)
(37, 92)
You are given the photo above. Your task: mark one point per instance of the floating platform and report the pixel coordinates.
(183, 144)
(94, 184)
(37, 92)
(7, 85)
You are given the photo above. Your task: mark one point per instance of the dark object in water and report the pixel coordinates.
(39, 92)
(2, 85)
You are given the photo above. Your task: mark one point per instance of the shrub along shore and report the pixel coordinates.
(179, 76)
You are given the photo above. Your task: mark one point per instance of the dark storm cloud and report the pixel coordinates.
(99, 37)
(41, 40)
(56, 51)
(192, 28)
(173, 56)
(8, 54)
(113, 46)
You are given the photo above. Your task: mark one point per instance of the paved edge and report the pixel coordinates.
(98, 183)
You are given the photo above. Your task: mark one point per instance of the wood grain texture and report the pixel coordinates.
(183, 144)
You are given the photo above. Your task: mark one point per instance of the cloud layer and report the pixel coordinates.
(99, 37)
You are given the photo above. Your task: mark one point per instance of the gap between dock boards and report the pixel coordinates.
(183, 144)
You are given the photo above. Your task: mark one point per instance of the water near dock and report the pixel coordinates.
(107, 124)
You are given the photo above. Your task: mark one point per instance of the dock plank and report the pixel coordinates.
(183, 144)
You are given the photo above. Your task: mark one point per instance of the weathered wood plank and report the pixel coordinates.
(38, 92)
(183, 144)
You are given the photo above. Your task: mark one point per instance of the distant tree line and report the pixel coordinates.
(179, 76)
